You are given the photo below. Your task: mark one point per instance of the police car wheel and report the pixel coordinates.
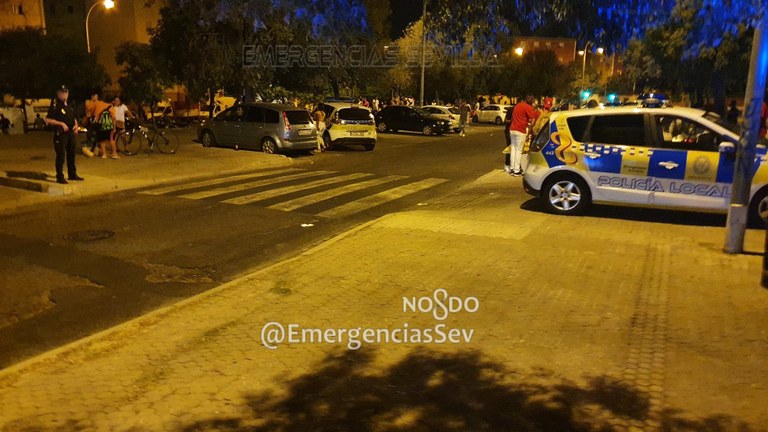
(566, 196)
(758, 208)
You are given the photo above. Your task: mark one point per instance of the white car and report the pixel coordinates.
(493, 113)
(451, 114)
(348, 124)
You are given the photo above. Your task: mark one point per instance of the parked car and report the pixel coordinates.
(493, 113)
(348, 124)
(272, 128)
(451, 114)
(679, 158)
(397, 117)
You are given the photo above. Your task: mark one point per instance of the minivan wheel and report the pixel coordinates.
(382, 127)
(427, 130)
(566, 195)
(208, 139)
(269, 146)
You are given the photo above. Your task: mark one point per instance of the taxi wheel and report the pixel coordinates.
(498, 120)
(566, 195)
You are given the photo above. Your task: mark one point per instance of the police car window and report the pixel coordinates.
(578, 127)
(626, 129)
(685, 134)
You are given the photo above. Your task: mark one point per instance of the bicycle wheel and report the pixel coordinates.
(130, 144)
(167, 142)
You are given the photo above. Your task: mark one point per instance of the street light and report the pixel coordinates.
(423, 50)
(584, 63)
(519, 51)
(108, 4)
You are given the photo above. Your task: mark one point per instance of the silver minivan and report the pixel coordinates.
(272, 128)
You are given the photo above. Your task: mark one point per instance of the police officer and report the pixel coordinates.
(61, 116)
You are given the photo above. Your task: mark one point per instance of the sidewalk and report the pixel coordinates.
(583, 323)
(33, 153)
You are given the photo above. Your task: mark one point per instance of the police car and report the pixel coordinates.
(680, 158)
(348, 124)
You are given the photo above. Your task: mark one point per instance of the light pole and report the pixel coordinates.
(584, 69)
(108, 4)
(423, 50)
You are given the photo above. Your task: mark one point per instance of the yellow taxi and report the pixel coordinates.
(679, 158)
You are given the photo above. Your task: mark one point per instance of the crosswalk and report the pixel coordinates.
(328, 194)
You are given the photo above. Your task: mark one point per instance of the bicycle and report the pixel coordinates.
(131, 140)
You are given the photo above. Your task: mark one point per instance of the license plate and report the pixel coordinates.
(305, 132)
(356, 133)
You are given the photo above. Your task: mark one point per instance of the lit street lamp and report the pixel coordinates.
(108, 4)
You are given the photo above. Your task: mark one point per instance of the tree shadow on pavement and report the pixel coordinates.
(434, 391)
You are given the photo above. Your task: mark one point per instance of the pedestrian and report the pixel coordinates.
(121, 114)
(39, 122)
(508, 140)
(5, 125)
(319, 116)
(522, 115)
(463, 117)
(375, 104)
(61, 116)
(543, 119)
(104, 124)
(733, 113)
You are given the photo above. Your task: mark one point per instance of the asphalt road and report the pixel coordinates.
(156, 246)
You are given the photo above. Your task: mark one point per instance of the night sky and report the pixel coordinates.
(404, 12)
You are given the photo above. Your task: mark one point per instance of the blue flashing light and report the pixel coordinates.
(612, 97)
(585, 94)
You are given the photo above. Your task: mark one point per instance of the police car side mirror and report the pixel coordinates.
(727, 147)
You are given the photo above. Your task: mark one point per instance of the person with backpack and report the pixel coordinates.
(105, 126)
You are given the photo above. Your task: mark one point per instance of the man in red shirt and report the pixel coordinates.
(522, 116)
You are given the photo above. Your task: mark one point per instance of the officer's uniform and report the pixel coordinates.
(64, 142)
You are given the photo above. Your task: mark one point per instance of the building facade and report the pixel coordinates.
(564, 48)
(21, 13)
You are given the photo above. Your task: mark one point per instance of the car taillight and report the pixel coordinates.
(286, 122)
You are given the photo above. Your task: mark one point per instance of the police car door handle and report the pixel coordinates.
(668, 165)
(592, 155)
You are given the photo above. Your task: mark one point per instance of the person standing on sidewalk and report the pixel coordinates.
(522, 115)
(61, 116)
(463, 116)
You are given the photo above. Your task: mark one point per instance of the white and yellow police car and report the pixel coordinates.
(680, 158)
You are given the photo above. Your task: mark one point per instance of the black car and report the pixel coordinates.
(396, 117)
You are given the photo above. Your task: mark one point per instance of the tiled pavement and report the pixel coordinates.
(585, 323)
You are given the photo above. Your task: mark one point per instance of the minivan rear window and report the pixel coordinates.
(354, 114)
(298, 117)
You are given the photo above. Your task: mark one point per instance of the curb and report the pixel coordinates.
(7, 374)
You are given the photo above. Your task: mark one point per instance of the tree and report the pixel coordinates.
(56, 61)
(142, 80)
